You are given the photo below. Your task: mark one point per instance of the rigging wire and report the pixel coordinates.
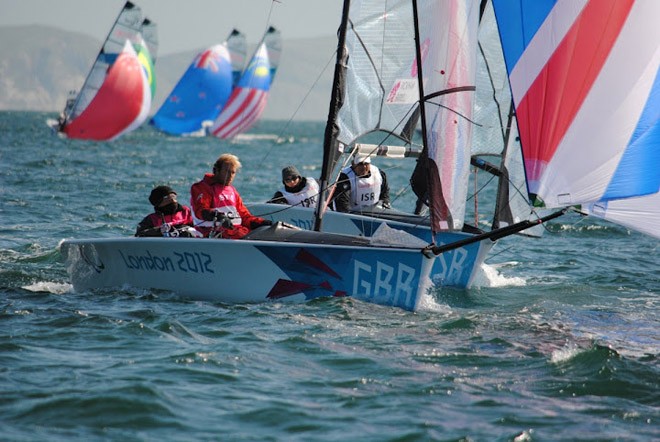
(302, 102)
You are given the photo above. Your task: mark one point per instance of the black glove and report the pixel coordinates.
(224, 221)
(266, 222)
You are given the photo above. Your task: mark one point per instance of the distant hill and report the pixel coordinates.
(39, 65)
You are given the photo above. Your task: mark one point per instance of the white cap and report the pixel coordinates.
(361, 158)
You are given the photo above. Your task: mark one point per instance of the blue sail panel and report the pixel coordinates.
(637, 172)
(518, 23)
(199, 95)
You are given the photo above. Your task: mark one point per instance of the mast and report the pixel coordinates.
(331, 130)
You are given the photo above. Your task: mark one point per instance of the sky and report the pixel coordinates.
(183, 25)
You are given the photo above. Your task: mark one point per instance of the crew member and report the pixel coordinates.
(297, 190)
(361, 186)
(218, 209)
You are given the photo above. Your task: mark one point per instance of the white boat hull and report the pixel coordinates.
(456, 268)
(245, 271)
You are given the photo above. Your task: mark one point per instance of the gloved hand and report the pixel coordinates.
(218, 217)
(165, 229)
(223, 220)
(386, 205)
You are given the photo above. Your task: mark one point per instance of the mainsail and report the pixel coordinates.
(204, 88)
(248, 100)
(381, 91)
(448, 36)
(116, 95)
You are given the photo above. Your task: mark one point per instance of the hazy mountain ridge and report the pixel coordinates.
(39, 65)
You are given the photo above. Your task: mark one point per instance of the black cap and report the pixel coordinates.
(157, 195)
(290, 172)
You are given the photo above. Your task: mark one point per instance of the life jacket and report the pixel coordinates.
(180, 217)
(224, 200)
(306, 197)
(365, 191)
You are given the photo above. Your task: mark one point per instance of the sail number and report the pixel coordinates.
(392, 284)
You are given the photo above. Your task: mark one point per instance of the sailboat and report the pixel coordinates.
(383, 96)
(392, 267)
(204, 88)
(116, 95)
(496, 151)
(248, 99)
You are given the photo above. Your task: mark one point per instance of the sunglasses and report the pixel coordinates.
(291, 179)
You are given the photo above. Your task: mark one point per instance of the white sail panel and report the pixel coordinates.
(381, 61)
(641, 214)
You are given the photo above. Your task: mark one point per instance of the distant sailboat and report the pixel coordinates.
(203, 89)
(116, 96)
(248, 100)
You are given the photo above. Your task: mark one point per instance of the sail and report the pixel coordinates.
(149, 40)
(202, 91)
(378, 90)
(380, 81)
(641, 213)
(126, 26)
(273, 42)
(113, 99)
(120, 105)
(584, 79)
(237, 46)
(448, 33)
(381, 88)
(496, 144)
(248, 99)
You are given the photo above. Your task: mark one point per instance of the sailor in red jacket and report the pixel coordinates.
(169, 218)
(218, 208)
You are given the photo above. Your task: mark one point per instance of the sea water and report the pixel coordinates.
(559, 340)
